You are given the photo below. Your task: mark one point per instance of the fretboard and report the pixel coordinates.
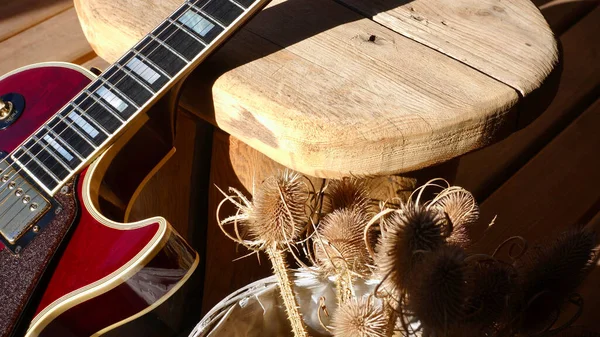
(95, 117)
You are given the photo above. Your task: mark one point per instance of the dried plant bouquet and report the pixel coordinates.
(406, 267)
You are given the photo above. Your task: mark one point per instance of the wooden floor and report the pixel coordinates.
(538, 181)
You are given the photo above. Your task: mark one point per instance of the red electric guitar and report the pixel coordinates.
(61, 259)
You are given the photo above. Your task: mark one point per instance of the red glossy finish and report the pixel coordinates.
(94, 251)
(46, 90)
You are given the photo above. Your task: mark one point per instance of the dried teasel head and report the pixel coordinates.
(492, 294)
(347, 193)
(360, 317)
(549, 273)
(278, 214)
(340, 246)
(409, 232)
(437, 295)
(461, 210)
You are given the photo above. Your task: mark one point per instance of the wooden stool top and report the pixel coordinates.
(361, 87)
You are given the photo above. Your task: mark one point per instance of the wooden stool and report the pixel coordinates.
(348, 87)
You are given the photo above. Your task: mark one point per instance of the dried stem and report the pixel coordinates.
(285, 286)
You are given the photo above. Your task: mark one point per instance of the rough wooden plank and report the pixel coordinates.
(20, 15)
(333, 103)
(562, 14)
(506, 39)
(57, 39)
(483, 171)
(386, 106)
(553, 191)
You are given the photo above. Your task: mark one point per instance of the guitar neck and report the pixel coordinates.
(88, 124)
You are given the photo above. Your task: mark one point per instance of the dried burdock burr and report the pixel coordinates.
(437, 294)
(461, 209)
(347, 193)
(360, 317)
(409, 232)
(340, 250)
(548, 274)
(273, 221)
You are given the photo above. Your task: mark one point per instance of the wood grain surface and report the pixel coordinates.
(325, 89)
(18, 16)
(483, 171)
(57, 39)
(507, 40)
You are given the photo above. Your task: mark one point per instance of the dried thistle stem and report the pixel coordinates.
(280, 269)
(343, 287)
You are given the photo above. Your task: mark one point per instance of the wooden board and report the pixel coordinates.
(373, 96)
(562, 14)
(18, 16)
(57, 39)
(507, 40)
(557, 189)
(483, 171)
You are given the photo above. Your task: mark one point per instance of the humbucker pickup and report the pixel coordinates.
(21, 205)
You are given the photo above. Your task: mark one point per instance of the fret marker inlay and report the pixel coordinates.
(111, 98)
(58, 148)
(145, 72)
(196, 23)
(87, 127)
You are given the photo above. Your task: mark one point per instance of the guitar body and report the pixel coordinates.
(106, 273)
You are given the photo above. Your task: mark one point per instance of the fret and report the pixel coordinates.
(82, 126)
(25, 161)
(203, 27)
(166, 60)
(113, 99)
(173, 51)
(149, 63)
(37, 146)
(180, 40)
(244, 3)
(186, 30)
(223, 11)
(58, 148)
(71, 137)
(46, 159)
(89, 119)
(137, 77)
(128, 86)
(57, 139)
(98, 107)
(113, 94)
(198, 11)
(68, 131)
(33, 157)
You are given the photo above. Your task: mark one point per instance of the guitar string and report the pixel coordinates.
(176, 29)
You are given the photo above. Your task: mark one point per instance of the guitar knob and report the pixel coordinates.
(6, 108)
